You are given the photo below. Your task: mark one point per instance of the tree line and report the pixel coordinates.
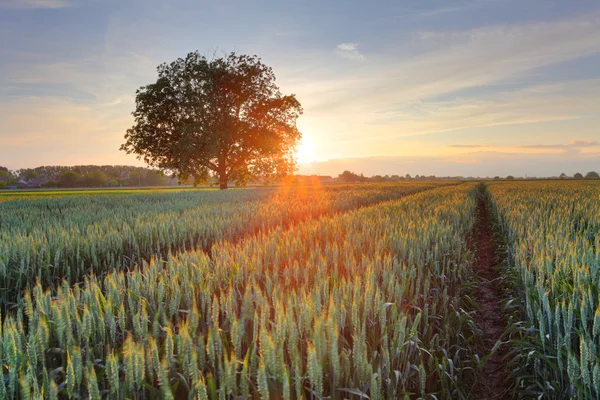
(82, 176)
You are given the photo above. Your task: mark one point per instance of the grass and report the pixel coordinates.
(96, 191)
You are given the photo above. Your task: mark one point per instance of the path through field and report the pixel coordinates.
(492, 380)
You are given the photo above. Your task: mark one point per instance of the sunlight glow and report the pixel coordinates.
(305, 151)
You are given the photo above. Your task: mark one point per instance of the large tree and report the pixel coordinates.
(224, 116)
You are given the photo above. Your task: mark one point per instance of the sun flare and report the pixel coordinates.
(305, 151)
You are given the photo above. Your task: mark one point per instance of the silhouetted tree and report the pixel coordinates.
(224, 115)
(592, 175)
(563, 176)
(578, 176)
(348, 176)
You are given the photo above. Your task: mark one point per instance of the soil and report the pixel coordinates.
(493, 379)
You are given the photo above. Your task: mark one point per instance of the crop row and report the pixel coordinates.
(553, 234)
(365, 303)
(49, 239)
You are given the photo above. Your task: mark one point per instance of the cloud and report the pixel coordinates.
(480, 163)
(455, 81)
(571, 147)
(513, 149)
(542, 146)
(584, 143)
(464, 59)
(470, 146)
(31, 4)
(349, 51)
(444, 10)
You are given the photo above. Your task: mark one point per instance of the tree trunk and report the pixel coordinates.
(222, 181)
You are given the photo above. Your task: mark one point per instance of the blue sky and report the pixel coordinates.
(477, 88)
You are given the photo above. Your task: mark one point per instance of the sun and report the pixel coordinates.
(305, 151)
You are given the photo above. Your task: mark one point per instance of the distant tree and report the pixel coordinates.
(578, 176)
(95, 178)
(592, 175)
(112, 183)
(8, 178)
(496, 177)
(155, 178)
(348, 176)
(68, 179)
(510, 177)
(135, 179)
(29, 174)
(51, 171)
(225, 116)
(408, 176)
(111, 172)
(563, 175)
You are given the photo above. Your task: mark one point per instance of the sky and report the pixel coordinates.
(472, 88)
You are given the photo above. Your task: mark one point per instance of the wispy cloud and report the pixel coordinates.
(584, 143)
(471, 146)
(481, 163)
(443, 10)
(349, 51)
(31, 4)
(464, 59)
(572, 146)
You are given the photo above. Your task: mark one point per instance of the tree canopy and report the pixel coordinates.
(94, 178)
(224, 116)
(592, 175)
(68, 178)
(30, 174)
(348, 176)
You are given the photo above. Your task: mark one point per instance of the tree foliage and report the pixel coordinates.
(348, 176)
(224, 116)
(94, 178)
(155, 178)
(30, 174)
(68, 179)
(592, 175)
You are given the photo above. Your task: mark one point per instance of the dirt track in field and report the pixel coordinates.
(492, 381)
